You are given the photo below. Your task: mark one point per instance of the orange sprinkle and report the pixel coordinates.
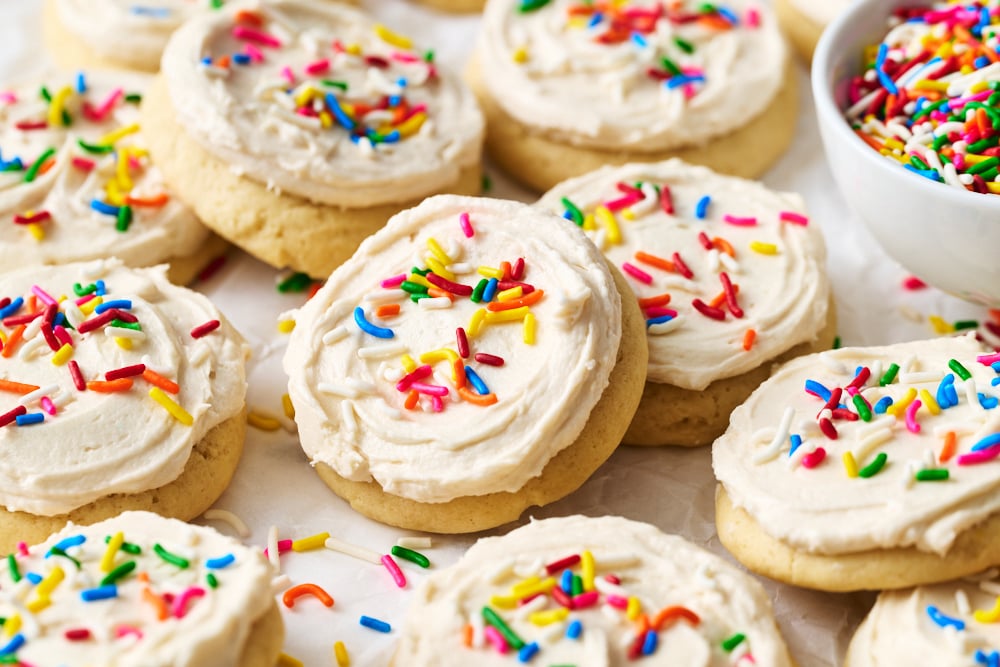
(150, 202)
(526, 300)
(438, 292)
(653, 260)
(46, 166)
(713, 21)
(17, 387)
(111, 386)
(388, 310)
(251, 17)
(295, 592)
(642, 624)
(467, 635)
(948, 449)
(748, 338)
(32, 303)
(476, 399)
(982, 121)
(143, 577)
(157, 380)
(869, 140)
(505, 269)
(459, 370)
(223, 62)
(162, 613)
(12, 341)
(659, 300)
(719, 299)
(724, 245)
(669, 614)
(411, 400)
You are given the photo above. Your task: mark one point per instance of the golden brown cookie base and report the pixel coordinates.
(973, 551)
(540, 163)
(184, 270)
(267, 636)
(206, 475)
(279, 229)
(670, 415)
(802, 31)
(563, 474)
(454, 5)
(73, 54)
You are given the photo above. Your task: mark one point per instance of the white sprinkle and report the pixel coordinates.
(911, 314)
(122, 332)
(833, 364)
(962, 602)
(778, 442)
(605, 587)
(280, 584)
(29, 349)
(337, 389)
(34, 326)
(37, 394)
(62, 399)
(347, 416)
(868, 444)
(334, 335)
(924, 377)
(199, 355)
(460, 268)
(73, 313)
(333, 544)
(272, 547)
(530, 607)
(384, 296)
(712, 259)
(415, 542)
(228, 517)
(731, 264)
(478, 624)
(382, 351)
(970, 393)
(800, 453)
(435, 303)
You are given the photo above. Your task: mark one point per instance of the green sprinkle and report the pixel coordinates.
(124, 218)
(412, 287)
(932, 475)
(297, 282)
(411, 555)
(417, 297)
(920, 164)
(97, 149)
(429, 56)
(874, 467)
(530, 6)
(962, 325)
(420, 272)
(80, 290)
(862, 407)
(477, 291)
(56, 551)
(119, 572)
(335, 84)
(836, 343)
(32, 172)
(729, 644)
(133, 98)
(684, 45)
(67, 120)
(15, 573)
(985, 165)
(134, 326)
(9, 660)
(127, 547)
(576, 215)
(45, 94)
(494, 619)
(939, 143)
(889, 376)
(983, 144)
(670, 66)
(212, 581)
(960, 370)
(173, 559)
(487, 183)
(216, 4)
(576, 585)
(990, 174)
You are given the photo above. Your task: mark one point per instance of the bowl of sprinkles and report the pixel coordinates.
(907, 96)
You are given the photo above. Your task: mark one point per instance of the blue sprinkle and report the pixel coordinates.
(30, 418)
(527, 652)
(566, 582)
(882, 405)
(368, 327)
(154, 12)
(649, 643)
(16, 642)
(394, 100)
(81, 83)
(342, 118)
(991, 659)
(701, 209)
(981, 62)
(817, 389)
(568, 215)
(120, 304)
(574, 630)
(207, 61)
(101, 288)
(942, 391)
(639, 40)
(988, 402)
(796, 441)
(99, 593)
(887, 82)
(658, 320)
(402, 82)
(391, 138)
(476, 382)
(221, 562)
(60, 320)
(996, 366)
(994, 382)
(33, 578)
(375, 624)
(987, 442)
(67, 543)
(241, 59)
(490, 290)
(728, 15)
(926, 173)
(952, 394)
(12, 307)
(595, 19)
(683, 80)
(103, 208)
(944, 621)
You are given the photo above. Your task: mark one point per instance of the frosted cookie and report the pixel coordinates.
(805, 20)
(866, 468)
(950, 625)
(118, 390)
(76, 182)
(473, 359)
(297, 129)
(590, 591)
(136, 590)
(570, 86)
(730, 276)
(454, 5)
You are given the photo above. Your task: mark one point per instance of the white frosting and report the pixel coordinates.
(212, 628)
(65, 191)
(102, 443)
(343, 382)
(246, 115)
(899, 630)
(550, 71)
(822, 11)
(783, 296)
(131, 30)
(822, 510)
(658, 570)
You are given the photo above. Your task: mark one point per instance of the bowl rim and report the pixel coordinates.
(832, 116)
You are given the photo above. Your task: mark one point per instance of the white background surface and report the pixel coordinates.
(672, 489)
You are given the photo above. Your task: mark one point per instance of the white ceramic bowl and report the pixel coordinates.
(947, 237)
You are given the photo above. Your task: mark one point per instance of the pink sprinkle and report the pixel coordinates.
(318, 67)
(622, 202)
(403, 57)
(418, 373)
(617, 601)
(612, 579)
(257, 36)
(254, 53)
(287, 73)
(437, 405)
(752, 18)
(126, 630)
(494, 637)
(813, 458)
(793, 217)
(740, 222)
(22, 548)
(48, 405)
(283, 546)
(44, 296)
(84, 299)
(914, 283)
(104, 109)
(988, 359)
(588, 599)
(429, 389)
(63, 335)
(463, 221)
(911, 417)
(8, 97)
(181, 601)
(397, 574)
(395, 281)
(205, 329)
(637, 273)
(654, 312)
(982, 456)
(83, 164)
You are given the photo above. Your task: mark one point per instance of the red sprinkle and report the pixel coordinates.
(205, 329)
(708, 311)
(9, 417)
(814, 458)
(463, 343)
(727, 285)
(829, 430)
(212, 268)
(489, 359)
(681, 267)
(74, 371)
(517, 272)
(449, 286)
(914, 283)
(560, 597)
(666, 201)
(77, 634)
(125, 371)
(562, 564)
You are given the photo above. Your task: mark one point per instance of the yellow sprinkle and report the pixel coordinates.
(38, 604)
(524, 584)
(12, 625)
(62, 355)
(529, 329)
(286, 326)
(285, 660)
(993, 187)
(438, 251)
(549, 617)
(121, 172)
(895, 144)
(390, 37)
(57, 106)
(490, 272)
(113, 193)
(850, 465)
(262, 422)
(928, 401)
(587, 570)
(979, 87)
(521, 55)
(589, 224)
(355, 49)
(88, 307)
(975, 159)
(49, 583)
(475, 322)
(340, 654)
(137, 152)
(871, 53)
(349, 110)
(900, 406)
(940, 326)
(411, 125)
(112, 137)
(287, 406)
(325, 119)
(311, 543)
(628, 214)
(178, 413)
(114, 544)
(510, 294)
(444, 354)
(123, 343)
(607, 218)
(503, 601)
(967, 69)
(524, 590)
(439, 269)
(929, 84)
(409, 365)
(36, 231)
(512, 315)
(988, 615)
(764, 248)
(420, 280)
(633, 609)
(306, 95)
